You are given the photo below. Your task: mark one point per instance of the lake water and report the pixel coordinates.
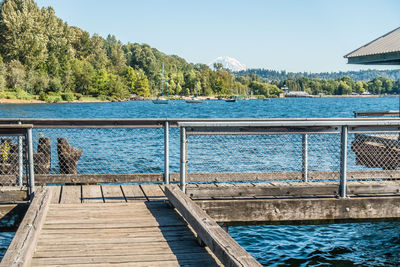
(371, 244)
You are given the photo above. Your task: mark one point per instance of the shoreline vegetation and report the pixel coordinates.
(53, 62)
(212, 98)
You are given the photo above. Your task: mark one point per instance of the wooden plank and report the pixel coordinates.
(161, 229)
(200, 177)
(303, 210)
(110, 259)
(92, 194)
(71, 194)
(111, 240)
(112, 193)
(133, 193)
(91, 178)
(153, 192)
(151, 232)
(22, 247)
(56, 194)
(290, 189)
(43, 179)
(13, 194)
(172, 263)
(176, 245)
(225, 248)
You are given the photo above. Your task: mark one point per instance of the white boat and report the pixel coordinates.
(233, 98)
(194, 100)
(160, 99)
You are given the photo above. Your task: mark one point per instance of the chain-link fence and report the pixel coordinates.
(9, 156)
(299, 151)
(100, 151)
(71, 155)
(374, 156)
(272, 157)
(311, 153)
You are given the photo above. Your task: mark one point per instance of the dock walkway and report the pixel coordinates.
(99, 225)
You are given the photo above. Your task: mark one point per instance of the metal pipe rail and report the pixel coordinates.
(23, 130)
(338, 126)
(152, 123)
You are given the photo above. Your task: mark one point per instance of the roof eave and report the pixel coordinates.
(377, 59)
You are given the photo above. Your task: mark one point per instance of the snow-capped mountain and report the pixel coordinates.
(229, 63)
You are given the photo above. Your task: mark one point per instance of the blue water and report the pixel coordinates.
(366, 244)
(275, 108)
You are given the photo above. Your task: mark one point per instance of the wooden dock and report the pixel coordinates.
(119, 225)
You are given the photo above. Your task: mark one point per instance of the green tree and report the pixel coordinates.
(142, 84)
(15, 74)
(131, 78)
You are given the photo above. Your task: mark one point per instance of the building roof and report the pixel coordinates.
(383, 50)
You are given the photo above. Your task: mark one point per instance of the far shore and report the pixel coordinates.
(35, 101)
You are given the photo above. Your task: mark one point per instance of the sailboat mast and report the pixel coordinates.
(162, 81)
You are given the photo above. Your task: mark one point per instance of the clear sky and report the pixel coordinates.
(292, 35)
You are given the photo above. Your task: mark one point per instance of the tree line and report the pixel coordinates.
(42, 56)
(361, 75)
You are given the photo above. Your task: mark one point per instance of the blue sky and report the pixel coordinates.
(307, 35)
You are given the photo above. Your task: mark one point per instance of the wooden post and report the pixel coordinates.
(68, 157)
(43, 156)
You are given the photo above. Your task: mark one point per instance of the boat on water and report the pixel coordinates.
(233, 98)
(194, 100)
(160, 99)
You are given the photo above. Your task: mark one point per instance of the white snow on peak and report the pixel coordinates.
(229, 63)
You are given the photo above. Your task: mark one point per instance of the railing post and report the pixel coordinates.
(343, 162)
(166, 152)
(183, 161)
(304, 164)
(20, 160)
(30, 162)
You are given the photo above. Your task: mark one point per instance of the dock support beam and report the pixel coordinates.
(183, 161)
(20, 160)
(31, 170)
(166, 152)
(305, 157)
(343, 162)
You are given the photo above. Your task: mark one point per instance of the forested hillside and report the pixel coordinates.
(42, 57)
(362, 75)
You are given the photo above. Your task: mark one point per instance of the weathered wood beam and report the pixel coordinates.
(300, 189)
(43, 179)
(22, 247)
(224, 247)
(13, 194)
(311, 210)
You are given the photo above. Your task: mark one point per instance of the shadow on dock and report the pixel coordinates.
(179, 237)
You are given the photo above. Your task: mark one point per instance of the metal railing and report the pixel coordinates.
(207, 150)
(325, 150)
(12, 156)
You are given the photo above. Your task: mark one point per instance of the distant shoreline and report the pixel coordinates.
(35, 101)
